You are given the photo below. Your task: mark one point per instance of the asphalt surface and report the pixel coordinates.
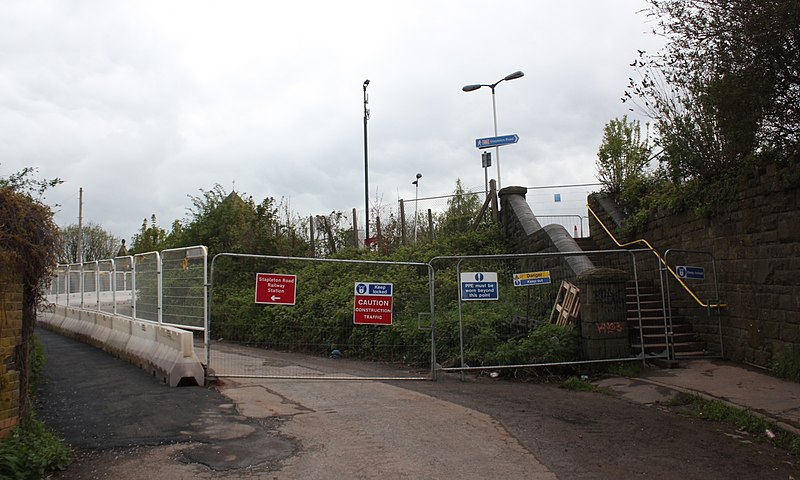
(97, 402)
(125, 425)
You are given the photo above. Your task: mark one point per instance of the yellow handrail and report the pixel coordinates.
(663, 262)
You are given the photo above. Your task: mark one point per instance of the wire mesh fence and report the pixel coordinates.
(518, 311)
(147, 279)
(318, 318)
(183, 296)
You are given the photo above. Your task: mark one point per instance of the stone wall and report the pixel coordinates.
(10, 338)
(755, 251)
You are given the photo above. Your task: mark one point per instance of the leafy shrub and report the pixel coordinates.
(545, 344)
(31, 450)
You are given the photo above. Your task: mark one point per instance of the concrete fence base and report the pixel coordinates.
(164, 352)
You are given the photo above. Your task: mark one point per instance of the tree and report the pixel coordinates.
(725, 91)
(462, 209)
(623, 155)
(23, 182)
(151, 238)
(98, 244)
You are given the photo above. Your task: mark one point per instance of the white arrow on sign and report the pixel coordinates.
(274, 297)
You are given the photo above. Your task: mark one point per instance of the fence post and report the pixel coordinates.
(493, 194)
(402, 223)
(311, 232)
(355, 229)
(378, 234)
(430, 225)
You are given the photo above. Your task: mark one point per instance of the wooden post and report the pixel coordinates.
(493, 196)
(355, 229)
(378, 234)
(430, 225)
(402, 223)
(313, 240)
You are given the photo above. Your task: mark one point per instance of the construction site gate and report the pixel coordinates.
(314, 318)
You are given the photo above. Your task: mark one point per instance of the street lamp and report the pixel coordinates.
(416, 204)
(366, 171)
(470, 88)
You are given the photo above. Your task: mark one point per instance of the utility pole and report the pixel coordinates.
(80, 225)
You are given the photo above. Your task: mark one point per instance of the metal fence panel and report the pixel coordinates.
(513, 326)
(316, 336)
(147, 278)
(696, 272)
(183, 296)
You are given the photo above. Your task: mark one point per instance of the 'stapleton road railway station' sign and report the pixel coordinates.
(275, 288)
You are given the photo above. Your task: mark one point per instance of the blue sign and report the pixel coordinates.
(373, 289)
(690, 273)
(478, 286)
(496, 141)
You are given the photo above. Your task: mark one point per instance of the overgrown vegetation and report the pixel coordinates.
(578, 384)
(722, 95)
(31, 450)
(788, 365)
(29, 243)
(744, 420)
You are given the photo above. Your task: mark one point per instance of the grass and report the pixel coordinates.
(745, 420)
(577, 384)
(625, 369)
(788, 365)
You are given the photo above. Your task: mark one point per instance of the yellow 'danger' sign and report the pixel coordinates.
(531, 278)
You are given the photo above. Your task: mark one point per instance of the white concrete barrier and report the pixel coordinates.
(164, 352)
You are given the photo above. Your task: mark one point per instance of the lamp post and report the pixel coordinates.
(366, 170)
(470, 88)
(416, 204)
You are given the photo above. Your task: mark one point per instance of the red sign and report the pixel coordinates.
(275, 288)
(372, 304)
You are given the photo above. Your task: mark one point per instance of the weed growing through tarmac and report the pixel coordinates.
(626, 369)
(745, 420)
(583, 385)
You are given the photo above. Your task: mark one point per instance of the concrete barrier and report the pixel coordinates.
(165, 352)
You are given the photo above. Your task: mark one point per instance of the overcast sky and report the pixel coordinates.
(143, 103)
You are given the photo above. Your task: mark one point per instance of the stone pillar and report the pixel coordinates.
(604, 322)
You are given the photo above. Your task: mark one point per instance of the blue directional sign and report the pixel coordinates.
(478, 286)
(690, 273)
(496, 141)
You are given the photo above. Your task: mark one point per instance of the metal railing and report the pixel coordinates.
(669, 269)
(167, 288)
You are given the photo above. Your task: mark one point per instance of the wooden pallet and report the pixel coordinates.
(567, 307)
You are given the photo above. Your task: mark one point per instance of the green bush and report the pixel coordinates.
(547, 343)
(31, 450)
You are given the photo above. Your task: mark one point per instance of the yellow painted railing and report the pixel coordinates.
(642, 241)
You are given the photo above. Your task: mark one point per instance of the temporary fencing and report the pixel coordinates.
(519, 311)
(166, 287)
(289, 317)
(695, 272)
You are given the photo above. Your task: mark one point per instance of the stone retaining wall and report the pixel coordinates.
(755, 242)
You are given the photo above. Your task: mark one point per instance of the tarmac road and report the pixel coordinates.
(125, 425)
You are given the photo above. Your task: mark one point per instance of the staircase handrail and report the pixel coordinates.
(660, 259)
